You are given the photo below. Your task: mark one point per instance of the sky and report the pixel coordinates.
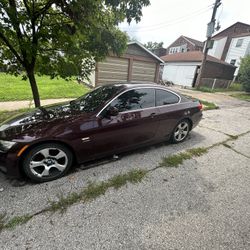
(166, 20)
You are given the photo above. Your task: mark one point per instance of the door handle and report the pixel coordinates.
(153, 115)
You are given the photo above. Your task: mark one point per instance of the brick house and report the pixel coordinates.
(184, 44)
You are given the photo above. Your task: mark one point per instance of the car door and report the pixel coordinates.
(135, 123)
(170, 111)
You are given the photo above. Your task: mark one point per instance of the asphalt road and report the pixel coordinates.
(203, 204)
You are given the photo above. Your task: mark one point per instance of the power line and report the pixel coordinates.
(171, 22)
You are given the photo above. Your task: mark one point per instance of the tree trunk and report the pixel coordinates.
(34, 88)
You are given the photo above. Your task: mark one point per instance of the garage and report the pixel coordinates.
(137, 64)
(178, 73)
(182, 69)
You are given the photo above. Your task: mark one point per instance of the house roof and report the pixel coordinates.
(148, 51)
(194, 41)
(219, 34)
(242, 35)
(188, 39)
(191, 56)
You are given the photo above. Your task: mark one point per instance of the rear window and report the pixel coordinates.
(165, 98)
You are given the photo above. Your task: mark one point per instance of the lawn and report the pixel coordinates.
(14, 88)
(244, 96)
(233, 87)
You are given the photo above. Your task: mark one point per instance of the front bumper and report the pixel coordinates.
(9, 163)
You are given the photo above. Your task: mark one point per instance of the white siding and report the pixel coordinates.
(236, 53)
(180, 73)
(218, 48)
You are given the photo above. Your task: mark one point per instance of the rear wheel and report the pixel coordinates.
(181, 131)
(47, 162)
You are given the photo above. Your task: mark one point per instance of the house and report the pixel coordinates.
(136, 64)
(182, 69)
(184, 44)
(239, 48)
(231, 44)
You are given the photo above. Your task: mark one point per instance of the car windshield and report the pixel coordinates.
(96, 98)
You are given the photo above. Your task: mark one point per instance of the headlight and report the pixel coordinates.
(6, 145)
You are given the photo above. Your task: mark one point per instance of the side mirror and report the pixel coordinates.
(112, 111)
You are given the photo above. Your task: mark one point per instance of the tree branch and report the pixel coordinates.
(27, 7)
(6, 41)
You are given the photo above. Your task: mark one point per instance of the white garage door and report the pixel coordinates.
(143, 71)
(179, 74)
(113, 69)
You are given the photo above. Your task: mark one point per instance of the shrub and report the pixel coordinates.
(244, 73)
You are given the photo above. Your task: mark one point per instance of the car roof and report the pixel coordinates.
(129, 85)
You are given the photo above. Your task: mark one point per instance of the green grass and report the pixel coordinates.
(12, 223)
(177, 159)
(2, 221)
(244, 97)
(94, 190)
(233, 87)
(208, 105)
(4, 115)
(17, 220)
(14, 88)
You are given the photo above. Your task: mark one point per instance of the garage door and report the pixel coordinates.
(143, 71)
(113, 69)
(179, 74)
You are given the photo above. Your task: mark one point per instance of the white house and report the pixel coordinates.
(218, 47)
(239, 48)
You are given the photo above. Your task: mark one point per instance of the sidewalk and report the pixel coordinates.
(221, 99)
(14, 105)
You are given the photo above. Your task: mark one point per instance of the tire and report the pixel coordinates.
(181, 131)
(47, 162)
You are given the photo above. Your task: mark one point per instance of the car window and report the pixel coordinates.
(164, 98)
(135, 99)
(96, 98)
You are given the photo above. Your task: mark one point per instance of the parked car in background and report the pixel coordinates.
(43, 144)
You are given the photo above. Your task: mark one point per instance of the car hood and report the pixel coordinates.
(40, 117)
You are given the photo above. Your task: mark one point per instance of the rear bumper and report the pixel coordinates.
(196, 118)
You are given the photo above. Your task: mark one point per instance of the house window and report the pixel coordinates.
(239, 42)
(233, 61)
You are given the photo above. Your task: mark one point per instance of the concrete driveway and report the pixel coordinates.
(202, 204)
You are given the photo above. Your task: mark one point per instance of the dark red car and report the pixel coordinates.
(44, 143)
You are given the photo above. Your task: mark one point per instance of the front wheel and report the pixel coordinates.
(181, 131)
(47, 162)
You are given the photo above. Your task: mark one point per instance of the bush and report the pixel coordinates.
(244, 73)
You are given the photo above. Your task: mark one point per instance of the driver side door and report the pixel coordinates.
(134, 125)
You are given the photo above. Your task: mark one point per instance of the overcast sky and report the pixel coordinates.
(166, 20)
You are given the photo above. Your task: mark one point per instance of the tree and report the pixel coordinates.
(244, 73)
(153, 45)
(61, 37)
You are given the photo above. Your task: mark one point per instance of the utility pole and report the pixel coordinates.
(210, 31)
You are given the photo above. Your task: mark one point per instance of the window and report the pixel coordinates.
(239, 42)
(95, 99)
(164, 98)
(233, 61)
(135, 99)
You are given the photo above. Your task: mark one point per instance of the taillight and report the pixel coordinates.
(200, 106)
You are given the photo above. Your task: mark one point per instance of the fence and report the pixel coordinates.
(214, 83)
